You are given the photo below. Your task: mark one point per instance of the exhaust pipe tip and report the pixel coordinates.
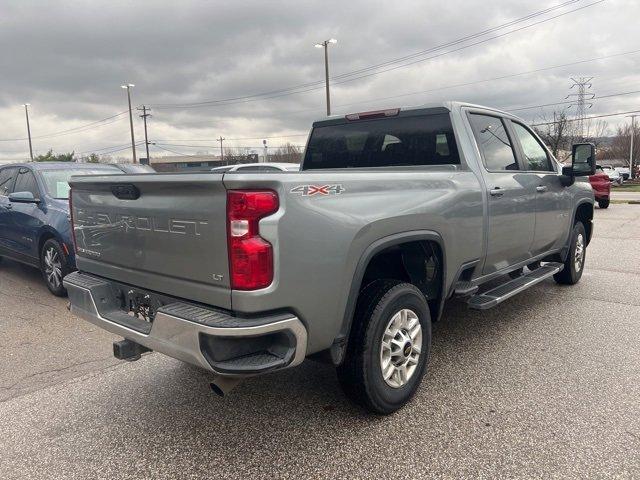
(221, 386)
(216, 389)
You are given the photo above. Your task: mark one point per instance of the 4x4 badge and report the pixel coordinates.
(311, 190)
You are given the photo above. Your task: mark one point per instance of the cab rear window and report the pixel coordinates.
(386, 142)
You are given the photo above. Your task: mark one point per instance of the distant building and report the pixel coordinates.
(197, 163)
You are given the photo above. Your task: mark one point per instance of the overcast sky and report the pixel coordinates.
(69, 58)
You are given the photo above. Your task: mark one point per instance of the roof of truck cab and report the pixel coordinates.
(433, 107)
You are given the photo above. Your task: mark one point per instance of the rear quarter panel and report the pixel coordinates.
(319, 239)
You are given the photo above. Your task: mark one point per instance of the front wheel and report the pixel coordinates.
(53, 265)
(604, 203)
(388, 348)
(574, 264)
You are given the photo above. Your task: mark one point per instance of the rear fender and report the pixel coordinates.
(340, 343)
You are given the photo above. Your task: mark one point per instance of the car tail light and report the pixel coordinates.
(73, 229)
(250, 256)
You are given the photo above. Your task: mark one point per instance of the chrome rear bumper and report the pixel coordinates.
(194, 334)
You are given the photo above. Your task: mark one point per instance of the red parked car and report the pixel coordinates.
(601, 187)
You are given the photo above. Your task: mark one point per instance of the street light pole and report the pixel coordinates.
(26, 112)
(128, 87)
(325, 45)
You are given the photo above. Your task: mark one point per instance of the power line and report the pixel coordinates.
(78, 129)
(446, 87)
(209, 146)
(245, 138)
(587, 118)
(111, 149)
(571, 102)
(473, 44)
(476, 82)
(96, 150)
(460, 40)
(174, 152)
(302, 87)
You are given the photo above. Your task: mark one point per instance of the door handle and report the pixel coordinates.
(496, 192)
(541, 189)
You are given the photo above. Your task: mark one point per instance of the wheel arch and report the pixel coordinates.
(374, 250)
(48, 233)
(584, 213)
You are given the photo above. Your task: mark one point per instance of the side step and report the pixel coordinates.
(499, 294)
(464, 289)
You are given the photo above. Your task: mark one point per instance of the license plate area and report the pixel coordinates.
(139, 304)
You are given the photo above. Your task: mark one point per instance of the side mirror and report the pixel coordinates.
(583, 159)
(23, 197)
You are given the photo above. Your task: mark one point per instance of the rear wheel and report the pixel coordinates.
(574, 264)
(53, 265)
(388, 348)
(604, 203)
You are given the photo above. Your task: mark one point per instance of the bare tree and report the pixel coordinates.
(556, 134)
(596, 132)
(233, 156)
(287, 153)
(621, 143)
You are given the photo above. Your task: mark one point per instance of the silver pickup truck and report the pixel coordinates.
(349, 260)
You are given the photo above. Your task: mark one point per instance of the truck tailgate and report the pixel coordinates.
(163, 232)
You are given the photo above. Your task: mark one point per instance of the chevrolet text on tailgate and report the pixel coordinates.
(349, 260)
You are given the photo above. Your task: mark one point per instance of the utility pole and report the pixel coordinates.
(633, 134)
(146, 136)
(325, 45)
(581, 96)
(26, 112)
(221, 139)
(128, 87)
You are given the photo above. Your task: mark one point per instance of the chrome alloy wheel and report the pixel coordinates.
(400, 349)
(53, 267)
(578, 257)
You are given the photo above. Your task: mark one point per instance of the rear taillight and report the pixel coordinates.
(73, 229)
(250, 256)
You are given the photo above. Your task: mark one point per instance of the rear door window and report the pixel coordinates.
(411, 140)
(7, 178)
(534, 153)
(494, 143)
(26, 182)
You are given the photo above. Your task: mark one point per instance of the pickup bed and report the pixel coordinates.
(349, 260)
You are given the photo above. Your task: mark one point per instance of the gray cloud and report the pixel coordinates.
(68, 58)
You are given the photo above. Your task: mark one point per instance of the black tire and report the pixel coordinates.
(604, 203)
(571, 275)
(59, 259)
(360, 374)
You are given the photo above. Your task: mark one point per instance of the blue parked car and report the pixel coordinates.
(34, 214)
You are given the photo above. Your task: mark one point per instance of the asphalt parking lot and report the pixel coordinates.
(545, 385)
